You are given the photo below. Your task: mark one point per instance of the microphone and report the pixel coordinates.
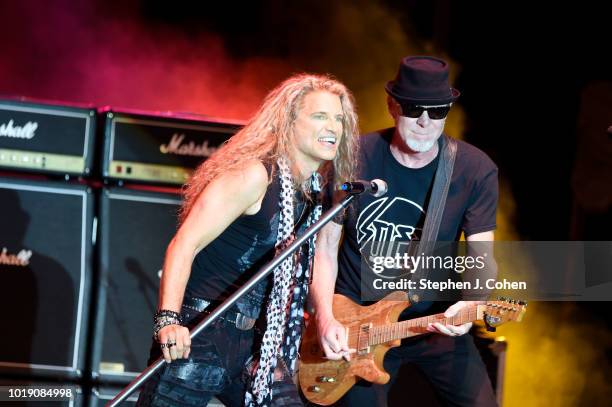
(376, 187)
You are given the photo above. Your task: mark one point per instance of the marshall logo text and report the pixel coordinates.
(10, 130)
(176, 146)
(20, 259)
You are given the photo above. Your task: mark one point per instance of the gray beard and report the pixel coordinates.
(420, 146)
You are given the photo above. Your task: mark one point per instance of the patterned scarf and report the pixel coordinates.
(285, 309)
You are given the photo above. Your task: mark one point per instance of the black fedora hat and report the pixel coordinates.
(422, 80)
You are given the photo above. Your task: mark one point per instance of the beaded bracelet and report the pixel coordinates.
(162, 319)
(166, 313)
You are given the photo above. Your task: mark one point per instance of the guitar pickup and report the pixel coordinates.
(363, 339)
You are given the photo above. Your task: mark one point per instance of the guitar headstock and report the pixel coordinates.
(504, 310)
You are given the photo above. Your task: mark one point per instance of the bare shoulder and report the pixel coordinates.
(254, 173)
(255, 179)
(244, 186)
(228, 196)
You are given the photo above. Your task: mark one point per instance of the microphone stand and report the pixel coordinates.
(231, 300)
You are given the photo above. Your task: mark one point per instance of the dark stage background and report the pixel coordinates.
(536, 87)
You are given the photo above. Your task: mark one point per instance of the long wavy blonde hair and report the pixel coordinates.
(267, 136)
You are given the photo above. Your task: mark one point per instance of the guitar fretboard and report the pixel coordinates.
(418, 326)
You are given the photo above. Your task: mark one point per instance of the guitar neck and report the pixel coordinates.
(418, 326)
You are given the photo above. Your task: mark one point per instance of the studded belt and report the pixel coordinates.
(241, 321)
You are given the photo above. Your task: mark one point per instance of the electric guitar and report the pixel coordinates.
(372, 331)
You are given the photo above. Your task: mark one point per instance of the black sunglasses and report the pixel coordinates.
(415, 111)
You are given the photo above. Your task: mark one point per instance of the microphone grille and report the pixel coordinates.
(381, 187)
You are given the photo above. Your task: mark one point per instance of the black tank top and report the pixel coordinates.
(238, 252)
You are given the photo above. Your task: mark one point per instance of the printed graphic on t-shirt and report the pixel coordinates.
(387, 225)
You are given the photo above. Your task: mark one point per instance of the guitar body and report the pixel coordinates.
(372, 331)
(324, 381)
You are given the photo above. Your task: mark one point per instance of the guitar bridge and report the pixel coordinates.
(363, 339)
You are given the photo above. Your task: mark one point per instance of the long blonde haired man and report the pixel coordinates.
(242, 206)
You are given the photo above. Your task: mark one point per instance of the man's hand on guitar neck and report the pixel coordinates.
(333, 340)
(451, 330)
(485, 245)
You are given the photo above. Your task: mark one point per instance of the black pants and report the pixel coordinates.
(215, 368)
(452, 364)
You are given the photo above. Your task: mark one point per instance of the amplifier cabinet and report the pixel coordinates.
(158, 148)
(46, 138)
(45, 276)
(135, 229)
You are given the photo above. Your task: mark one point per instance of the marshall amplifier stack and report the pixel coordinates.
(150, 156)
(158, 149)
(46, 232)
(135, 229)
(45, 276)
(81, 255)
(46, 138)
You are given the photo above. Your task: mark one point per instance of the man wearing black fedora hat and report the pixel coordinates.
(411, 157)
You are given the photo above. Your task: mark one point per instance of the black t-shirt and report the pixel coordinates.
(400, 214)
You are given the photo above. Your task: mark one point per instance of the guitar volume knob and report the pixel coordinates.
(314, 389)
(326, 379)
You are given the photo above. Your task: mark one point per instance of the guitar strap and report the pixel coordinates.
(437, 201)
